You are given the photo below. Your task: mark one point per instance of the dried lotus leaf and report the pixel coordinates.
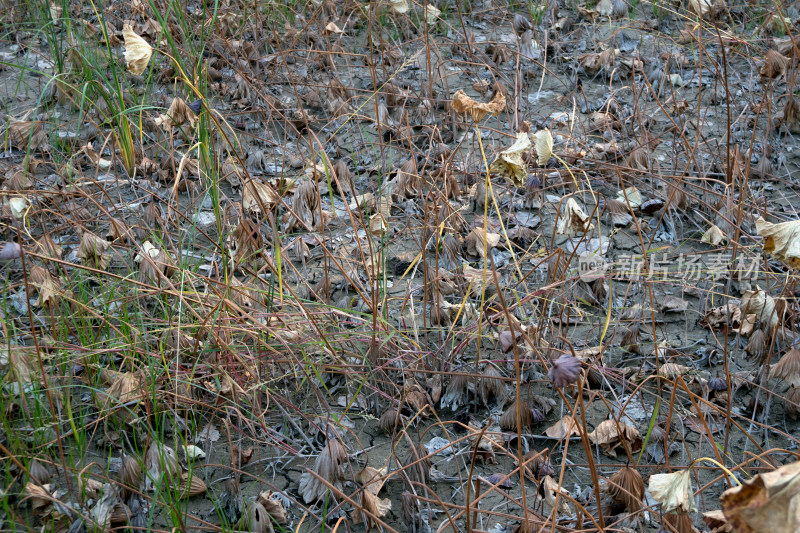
(477, 110)
(137, 51)
(510, 164)
(781, 240)
(399, 6)
(713, 236)
(574, 221)
(673, 491)
(543, 144)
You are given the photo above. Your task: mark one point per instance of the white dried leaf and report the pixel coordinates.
(673, 491)
(700, 7)
(761, 304)
(782, 240)
(137, 51)
(193, 452)
(543, 143)
(399, 6)
(604, 8)
(432, 13)
(19, 205)
(713, 236)
(630, 196)
(574, 221)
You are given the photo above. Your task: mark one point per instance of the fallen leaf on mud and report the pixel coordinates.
(94, 157)
(566, 427)
(767, 503)
(604, 8)
(672, 370)
(39, 495)
(630, 195)
(19, 206)
(700, 7)
(372, 481)
(257, 196)
(548, 489)
(371, 478)
(273, 506)
(25, 134)
(332, 28)
(574, 221)
(154, 264)
(365, 202)
(475, 278)
(178, 114)
(255, 519)
(782, 240)
(673, 491)
(729, 315)
(328, 466)
(477, 110)
(767, 310)
(161, 462)
(372, 506)
(610, 435)
(47, 247)
(671, 304)
(94, 251)
(121, 396)
(479, 242)
(118, 230)
(431, 13)
(378, 225)
(400, 6)
(788, 367)
(193, 452)
(717, 522)
(713, 236)
(137, 51)
(774, 66)
(509, 163)
(209, 433)
(49, 288)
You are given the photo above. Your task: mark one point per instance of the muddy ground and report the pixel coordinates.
(640, 98)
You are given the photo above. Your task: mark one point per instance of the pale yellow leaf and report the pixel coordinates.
(137, 51)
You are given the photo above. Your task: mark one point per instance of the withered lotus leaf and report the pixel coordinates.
(781, 240)
(137, 51)
(477, 110)
(766, 503)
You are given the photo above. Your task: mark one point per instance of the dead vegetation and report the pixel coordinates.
(455, 266)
